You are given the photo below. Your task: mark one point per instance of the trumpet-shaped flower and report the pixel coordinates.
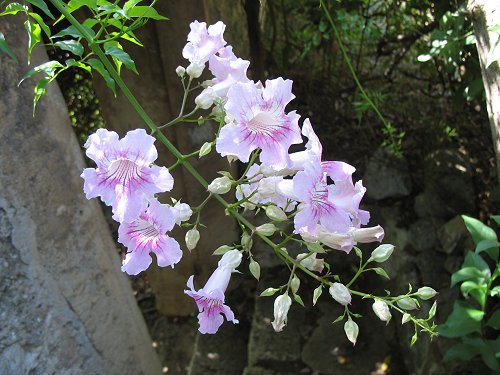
(202, 43)
(146, 234)
(124, 177)
(260, 122)
(210, 299)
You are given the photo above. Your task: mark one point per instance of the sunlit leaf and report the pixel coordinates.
(4, 47)
(97, 65)
(72, 46)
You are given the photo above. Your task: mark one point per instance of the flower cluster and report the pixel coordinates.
(319, 196)
(126, 180)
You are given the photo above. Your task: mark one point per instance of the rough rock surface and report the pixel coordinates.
(387, 177)
(65, 306)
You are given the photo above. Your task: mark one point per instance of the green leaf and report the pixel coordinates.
(42, 24)
(71, 31)
(495, 291)
(317, 294)
(39, 91)
(478, 230)
(494, 321)
(462, 321)
(339, 319)
(474, 260)
(490, 247)
(221, 250)
(496, 219)
(315, 247)
(72, 46)
(432, 310)
(4, 47)
(380, 271)
(145, 12)
(35, 35)
(298, 299)
(254, 268)
(40, 4)
(49, 68)
(122, 56)
(14, 8)
(477, 290)
(78, 64)
(461, 352)
(97, 65)
(269, 292)
(467, 273)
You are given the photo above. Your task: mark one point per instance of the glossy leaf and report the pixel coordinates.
(35, 35)
(97, 65)
(490, 247)
(121, 56)
(4, 47)
(14, 8)
(478, 230)
(40, 4)
(146, 12)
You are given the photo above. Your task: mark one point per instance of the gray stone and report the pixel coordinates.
(387, 176)
(222, 354)
(423, 237)
(327, 351)
(65, 306)
(454, 237)
(448, 188)
(267, 346)
(257, 370)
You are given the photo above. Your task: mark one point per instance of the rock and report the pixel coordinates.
(448, 188)
(454, 237)
(327, 351)
(267, 347)
(65, 306)
(423, 237)
(224, 353)
(387, 176)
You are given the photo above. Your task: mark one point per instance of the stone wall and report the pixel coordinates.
(65, 306)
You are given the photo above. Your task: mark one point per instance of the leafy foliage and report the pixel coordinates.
(475, 320)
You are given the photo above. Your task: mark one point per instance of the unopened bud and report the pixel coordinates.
(366, 235)
(246, 241)
(205, 99)
(340, 293)
(426, 293)
(275, 213)
(194, 70)
(221, 185)
(381, 309)
(382, 253)
(351, 330)
(267, 229)
(295, 284)
(281, 306)
(310, 262)
(180, 71)
(406, 303)
(192, 238)
(205, 149)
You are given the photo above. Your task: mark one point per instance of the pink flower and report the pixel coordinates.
(210, 299)
(124, 177)
(311, 188)
(260, 122)
(202, 44)
(146, 234)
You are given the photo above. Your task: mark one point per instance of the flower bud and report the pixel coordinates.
(281, 306)
(275, 213)
(205, 149)
(351, 330)
(381, 309)
(246, 241)
(426, 293)
(311, 263)
(295, 284)
(205, 99)
(340, 293)
(366, 235)
(406, 303)
(382, 253)
(267, 229)
(221, 185)
(194, 70)
(180, 71)
(192, 238)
